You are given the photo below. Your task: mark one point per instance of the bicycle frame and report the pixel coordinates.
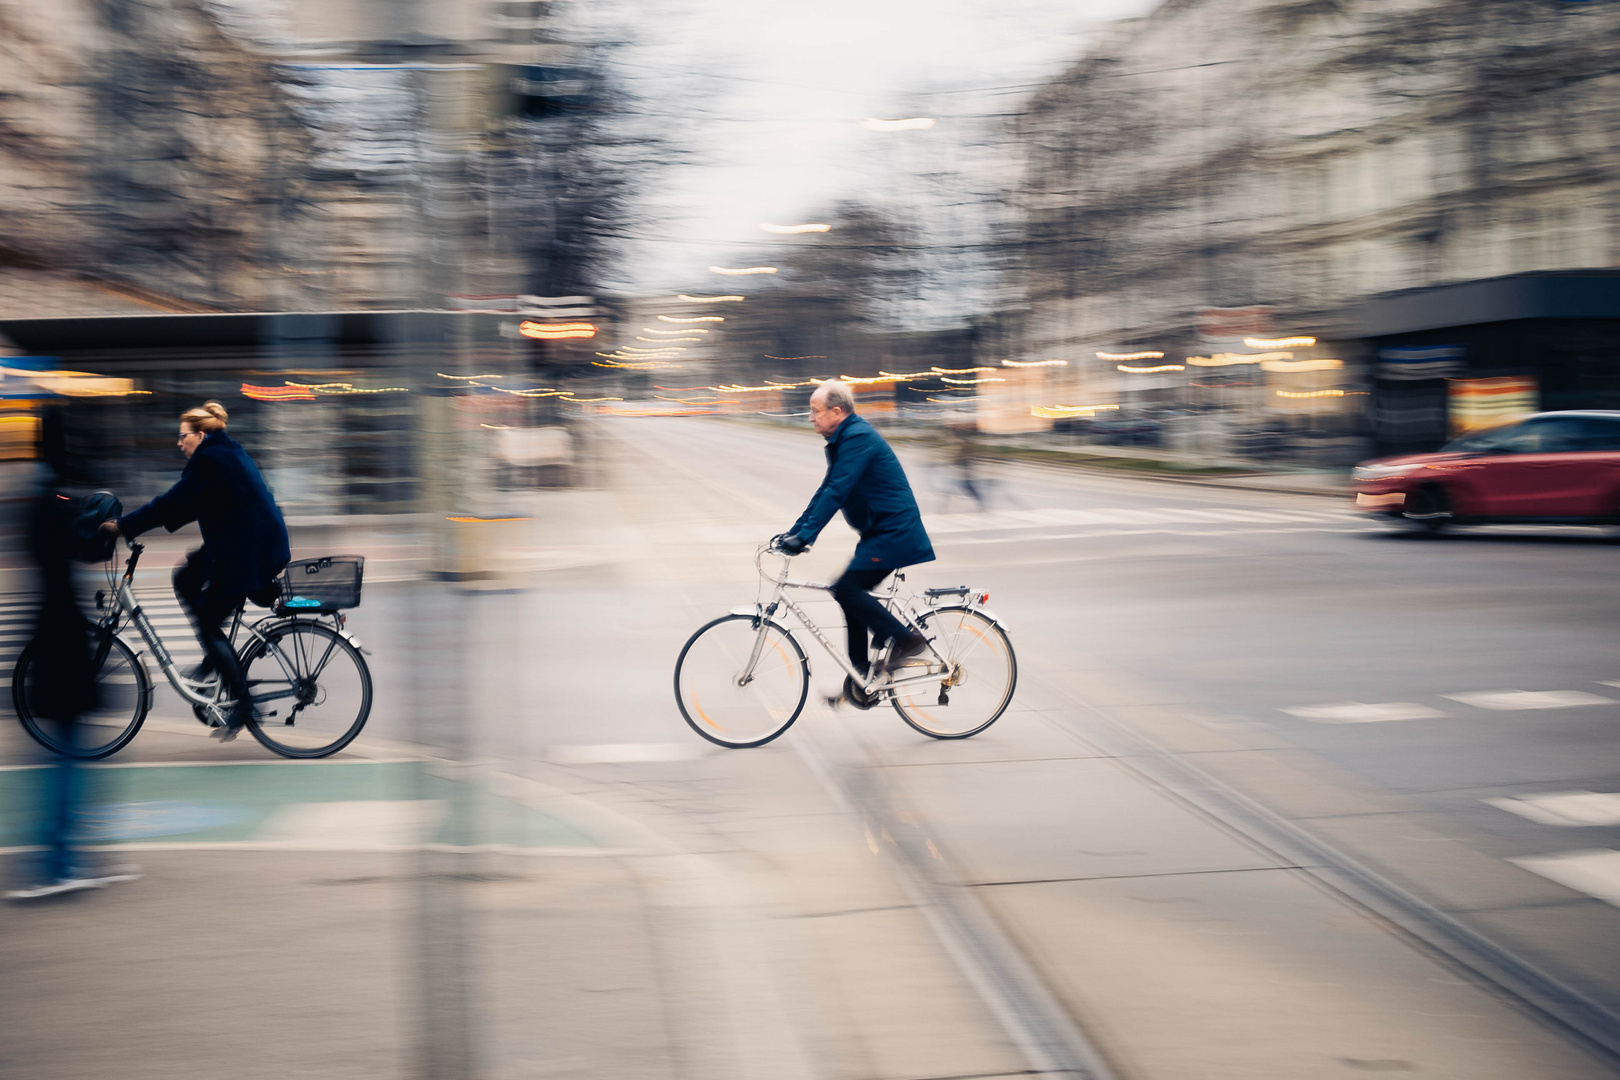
(938, 669)
(208, 694)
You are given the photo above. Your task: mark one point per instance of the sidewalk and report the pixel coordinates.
(344, 919)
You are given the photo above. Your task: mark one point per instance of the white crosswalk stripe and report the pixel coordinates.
(1520, 700)
(1595, 872)
(1356, 712)
(1570, 809)
(17, 618)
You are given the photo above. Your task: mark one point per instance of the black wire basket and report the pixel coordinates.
(320, 586)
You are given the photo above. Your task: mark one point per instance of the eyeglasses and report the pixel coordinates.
(184, 435)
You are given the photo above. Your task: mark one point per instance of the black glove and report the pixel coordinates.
(788, 544)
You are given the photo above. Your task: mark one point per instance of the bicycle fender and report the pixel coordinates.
(265, 626)
(986, 612)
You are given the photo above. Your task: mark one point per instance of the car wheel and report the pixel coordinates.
(1428, 509)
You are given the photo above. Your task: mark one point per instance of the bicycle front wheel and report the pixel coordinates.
(729, 704)
(311, 689)
(978, 681)
(123, 695)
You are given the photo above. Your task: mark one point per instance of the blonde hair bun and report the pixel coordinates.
(207, 418)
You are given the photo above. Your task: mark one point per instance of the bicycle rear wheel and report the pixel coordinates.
(311, 689)
(123, 695)
(978, 683)
(712, 696)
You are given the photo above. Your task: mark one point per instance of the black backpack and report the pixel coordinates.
(89, 543)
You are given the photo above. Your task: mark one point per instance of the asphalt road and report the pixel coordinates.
(1100, 869)
(1425, 706)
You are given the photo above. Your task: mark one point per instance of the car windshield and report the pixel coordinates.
(1543, 435)
(1495, 440)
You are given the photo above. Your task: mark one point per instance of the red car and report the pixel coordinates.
(1559, 468)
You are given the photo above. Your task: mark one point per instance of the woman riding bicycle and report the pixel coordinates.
(244, 541)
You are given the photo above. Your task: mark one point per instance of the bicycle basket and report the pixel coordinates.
(318, 586)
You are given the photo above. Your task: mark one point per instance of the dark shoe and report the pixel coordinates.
(233, 726)
(902, 650)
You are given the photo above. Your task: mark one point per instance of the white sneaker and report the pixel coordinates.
(77, 880)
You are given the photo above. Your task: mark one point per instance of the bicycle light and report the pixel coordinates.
(984, 598)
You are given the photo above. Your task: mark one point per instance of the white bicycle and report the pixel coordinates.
(310, 684)
(743, 679)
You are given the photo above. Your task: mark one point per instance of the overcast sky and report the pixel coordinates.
(774, 94)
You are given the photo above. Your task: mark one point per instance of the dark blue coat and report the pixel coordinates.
(865, 480)
(244, 537)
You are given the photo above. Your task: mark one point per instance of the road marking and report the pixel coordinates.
(1568, 808)
(373, 824)
(1595, 872)
(1511, 700)
(162, 610)
(1116, 533)
(1355, 712)
(612, 753)
(996, 520)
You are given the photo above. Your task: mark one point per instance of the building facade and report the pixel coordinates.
(239, 156)
(1223, 172)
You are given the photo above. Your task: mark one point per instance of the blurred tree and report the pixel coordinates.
(832, 294)
(567, 173)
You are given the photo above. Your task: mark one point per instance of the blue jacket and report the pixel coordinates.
(244, 537)
(865, 480)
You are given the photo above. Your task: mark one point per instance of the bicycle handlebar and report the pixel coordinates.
(135, 549)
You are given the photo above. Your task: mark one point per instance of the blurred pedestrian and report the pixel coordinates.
(64, 686)
(244, 542)
(864, 480)
(965, 459)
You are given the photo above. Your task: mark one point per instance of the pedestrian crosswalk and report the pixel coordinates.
(1359, 712)
(1593, 871)
(993, 520)
(19, 613)
(1035, 525)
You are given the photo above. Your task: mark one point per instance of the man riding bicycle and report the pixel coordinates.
(864, 480)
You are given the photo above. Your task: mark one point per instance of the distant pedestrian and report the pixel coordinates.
(64, 686)
(965, 457)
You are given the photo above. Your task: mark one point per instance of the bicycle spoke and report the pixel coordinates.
(329, 700)
(975, 695)
(709, 684)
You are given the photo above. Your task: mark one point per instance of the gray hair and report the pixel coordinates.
(835, 394)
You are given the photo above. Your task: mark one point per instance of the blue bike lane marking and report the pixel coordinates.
(318, 806)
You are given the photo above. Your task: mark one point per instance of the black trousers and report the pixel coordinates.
(209, 608)
(864, 613)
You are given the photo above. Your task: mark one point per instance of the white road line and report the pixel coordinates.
(1566, 808)
(1356, 712)
(1512, 700)
(1595, 872)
